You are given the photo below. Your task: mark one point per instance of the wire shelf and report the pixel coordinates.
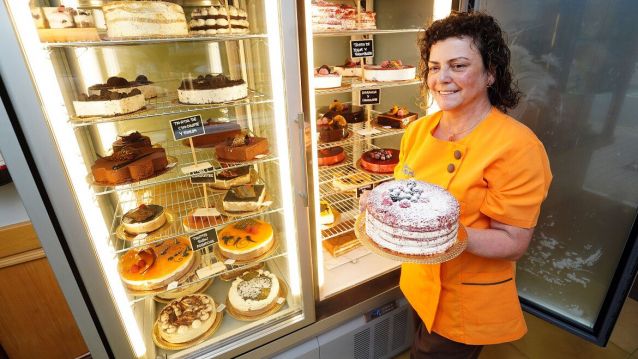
(334, 33)
(347, 205)
(184, 158)
(160, 40)
(329, 174)
(169, 105)
(178, 198)
(352, 84)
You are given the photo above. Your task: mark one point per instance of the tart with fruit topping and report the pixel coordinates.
(186, 318)
(109, 103)
(380, 160)
(245, 240)
(241, 147)
(390, 70)
(122, 85)
(352, 114)
(330, 156)
(156, 266)
(332, 129)
(397, 117)
(326, 78)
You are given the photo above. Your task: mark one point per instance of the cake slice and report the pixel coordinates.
(244, 198)
(232, 177)
(241, 147)
(397, 117)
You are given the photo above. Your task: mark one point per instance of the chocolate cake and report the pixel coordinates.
(216, 132)
(245, 198)
(352, 114)
(122, 85)
(332, 129)
(330, 156)
(134, 139)
(380, 160)
(129, 164)
(109, 103)
(232, 177)
(211, 89)
(397, 117)
(241, 147)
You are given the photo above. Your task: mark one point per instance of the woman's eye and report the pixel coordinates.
(458, 67)
(433, 69)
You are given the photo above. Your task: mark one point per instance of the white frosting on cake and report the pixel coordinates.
(348, 71)
(186, 318)
(109, 107)
(412, 217)
(377, 73)
(218, 95)
(244, 295)
(327, 81)
(59, 17)
(144, 19)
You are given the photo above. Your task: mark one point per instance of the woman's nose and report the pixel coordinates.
(444, 75)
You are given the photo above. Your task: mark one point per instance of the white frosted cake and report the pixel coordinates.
(186, 318)
(349, 69)
(412, 217)
(326, 78)
(109, 103)
(125, 19)
(392, 70)
(121, 85)
(254, 292)
(60, 17)
(211, 89)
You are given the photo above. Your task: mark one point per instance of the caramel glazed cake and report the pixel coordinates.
(412, 217)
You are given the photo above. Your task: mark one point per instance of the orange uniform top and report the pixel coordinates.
(499, 171)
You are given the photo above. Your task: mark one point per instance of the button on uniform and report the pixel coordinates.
(450, 167)
(457, 154)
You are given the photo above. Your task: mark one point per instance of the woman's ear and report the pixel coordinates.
(490, 78)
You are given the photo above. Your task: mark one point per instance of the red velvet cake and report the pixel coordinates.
(331, 156)
(380, 160)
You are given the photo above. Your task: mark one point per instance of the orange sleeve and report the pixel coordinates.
(517, 183)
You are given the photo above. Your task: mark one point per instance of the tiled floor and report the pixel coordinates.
(545, 341)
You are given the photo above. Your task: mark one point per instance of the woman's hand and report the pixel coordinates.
(363, 200)
(500, 241)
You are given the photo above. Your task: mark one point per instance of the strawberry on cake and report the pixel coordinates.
(412, 217)
(397, 117)
(326, 78)
(389, 70)
(380, 160)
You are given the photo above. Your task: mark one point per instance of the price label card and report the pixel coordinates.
(203, 239)
(187, 127)
(206, 212)
(369, 97)
(361, 48)
(172, 285)
(229, 261)
(201, 177)
(202, 166)
(221, 307)
(362, 189)
(367, 131)
(211, 270)
(140, 236)
(281, 300)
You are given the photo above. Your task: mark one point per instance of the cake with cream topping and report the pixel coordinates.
(389, 70)
(412, 217)
(349, 69)
(326, 78)
(254, 293)
(211, 89)
(122, 85)
(186, 318)
(109, 103)
(128, 19)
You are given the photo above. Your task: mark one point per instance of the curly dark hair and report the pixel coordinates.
(487, 35)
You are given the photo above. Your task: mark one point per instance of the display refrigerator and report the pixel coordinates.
(157, 160)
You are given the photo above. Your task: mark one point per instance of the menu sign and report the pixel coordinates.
(369, 97)
(203, 239)
(187, 127)
(361, 48)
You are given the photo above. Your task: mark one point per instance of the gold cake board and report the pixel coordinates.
(162, 288)
(164, 230)
(457, 248)
(178, 346)
(283, 292)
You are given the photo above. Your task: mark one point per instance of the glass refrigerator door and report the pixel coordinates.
(344, 129)
(175, 152)
(576, 65)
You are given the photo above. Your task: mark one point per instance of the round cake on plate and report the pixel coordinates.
(254, 293)
(330, 156)
(380, 160)
(412, 217)
(143, 219)
(245, 240)
(326, 78)
(186, 318)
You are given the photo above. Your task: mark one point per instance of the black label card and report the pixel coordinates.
(361, 189)
(203, 239)
(361, 48)
(369, 97)
(200, 177)
(187, 127)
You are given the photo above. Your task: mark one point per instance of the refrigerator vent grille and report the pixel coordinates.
(399, 326)
(362, 344)
(381, 338)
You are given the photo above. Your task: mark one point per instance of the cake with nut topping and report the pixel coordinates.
(186, 318)
(254, 293)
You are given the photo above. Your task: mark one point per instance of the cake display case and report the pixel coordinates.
(168, 126)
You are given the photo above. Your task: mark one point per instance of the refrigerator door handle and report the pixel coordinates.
(302, 140)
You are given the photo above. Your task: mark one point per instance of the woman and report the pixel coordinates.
(496, 168)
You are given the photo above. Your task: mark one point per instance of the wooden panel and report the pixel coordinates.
(17, 238)
(35, 321)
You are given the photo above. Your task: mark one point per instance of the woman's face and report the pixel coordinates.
(456, 76)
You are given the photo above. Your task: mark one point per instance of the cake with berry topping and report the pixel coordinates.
(389, 70)
(211, 89)
(352, 114)
(143, 219)
(129, 164)
(133, 139)
(397, 117)
(109, 103)
(330, 156)
(241, 147)
(332, 129)
(327, 16)
(349, 69)
(412, 217)
(122, 85)
(156, 266)
(325, 78)
(186, 318)
(246, 239)
(380, 160)
(254, 293)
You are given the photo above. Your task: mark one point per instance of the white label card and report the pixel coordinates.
(229, 261)
(367, 131)
(171, 165)
(140, 236)
(266, 204)
(260, 156)
(221, 307)
(206, 212)
(195, 168)
(281, 300)
(211, 270)
(172, 285)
